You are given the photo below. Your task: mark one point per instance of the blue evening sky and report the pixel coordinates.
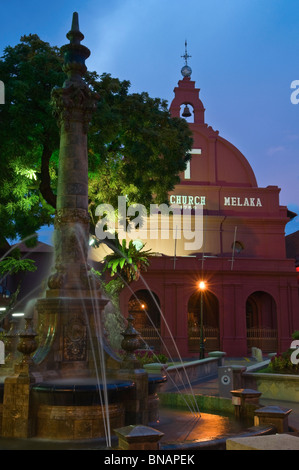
(244, 59)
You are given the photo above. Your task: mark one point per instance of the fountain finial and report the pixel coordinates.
(74, 35)
(75, 22)
(75, 53)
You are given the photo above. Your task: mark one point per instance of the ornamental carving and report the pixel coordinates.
(27, 342)
(71, 216)
(74, 96)
(75, 340)
(57, 280)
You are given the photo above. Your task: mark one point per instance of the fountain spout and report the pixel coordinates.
(74, 35)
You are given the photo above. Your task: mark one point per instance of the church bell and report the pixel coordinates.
(186, 112)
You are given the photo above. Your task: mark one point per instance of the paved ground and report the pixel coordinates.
(180, 427)
(211, 388)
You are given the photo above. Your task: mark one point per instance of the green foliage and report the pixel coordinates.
(146, 356)
(135, 147)
(28, 130)
(282, 364)
(140, 150)
(14, 264)
(126, 262)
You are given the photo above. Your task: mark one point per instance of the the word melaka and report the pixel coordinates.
(227, 201)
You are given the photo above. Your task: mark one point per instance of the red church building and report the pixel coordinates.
(251, 289)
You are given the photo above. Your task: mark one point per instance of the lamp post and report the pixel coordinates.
(202, 287)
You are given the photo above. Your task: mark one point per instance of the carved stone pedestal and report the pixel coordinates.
(18, 414)
(69, 336)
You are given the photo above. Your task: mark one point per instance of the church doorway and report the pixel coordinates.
(261, 322)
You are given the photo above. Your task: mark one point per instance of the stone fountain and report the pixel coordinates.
(68, 384)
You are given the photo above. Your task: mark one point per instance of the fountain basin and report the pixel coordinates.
(76, 409)
(154, 381)
(79, 392)
(69, 409)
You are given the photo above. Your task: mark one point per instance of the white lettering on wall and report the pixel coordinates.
(242, 201)
(181, 200)
(188, 168)
(231, 201)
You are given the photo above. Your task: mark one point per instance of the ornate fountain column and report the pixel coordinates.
(66, 313)
(73, 106)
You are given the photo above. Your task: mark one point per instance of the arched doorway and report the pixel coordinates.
(144, 306)
(210, 322)
(261, 322)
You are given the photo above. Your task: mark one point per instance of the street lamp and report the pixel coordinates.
(202, 288)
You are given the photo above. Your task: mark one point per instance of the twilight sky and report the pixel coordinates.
(244, 59)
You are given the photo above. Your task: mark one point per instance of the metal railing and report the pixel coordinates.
(151, 337)
(211, 339)
(262, 338)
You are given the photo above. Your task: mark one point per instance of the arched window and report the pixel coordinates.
(261, 322)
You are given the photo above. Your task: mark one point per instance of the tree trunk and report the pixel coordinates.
(45, 184)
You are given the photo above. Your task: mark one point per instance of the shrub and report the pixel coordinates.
(282, 364)
(147, 356)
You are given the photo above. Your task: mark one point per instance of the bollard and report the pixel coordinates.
(138, 438)
(274, 415)
(243, 397)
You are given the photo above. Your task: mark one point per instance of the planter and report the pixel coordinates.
(282, 387)
(155, 367)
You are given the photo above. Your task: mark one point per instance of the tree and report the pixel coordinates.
(135, 147)
(28, 136)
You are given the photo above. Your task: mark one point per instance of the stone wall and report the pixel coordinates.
(282, 387)
(181, 375)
